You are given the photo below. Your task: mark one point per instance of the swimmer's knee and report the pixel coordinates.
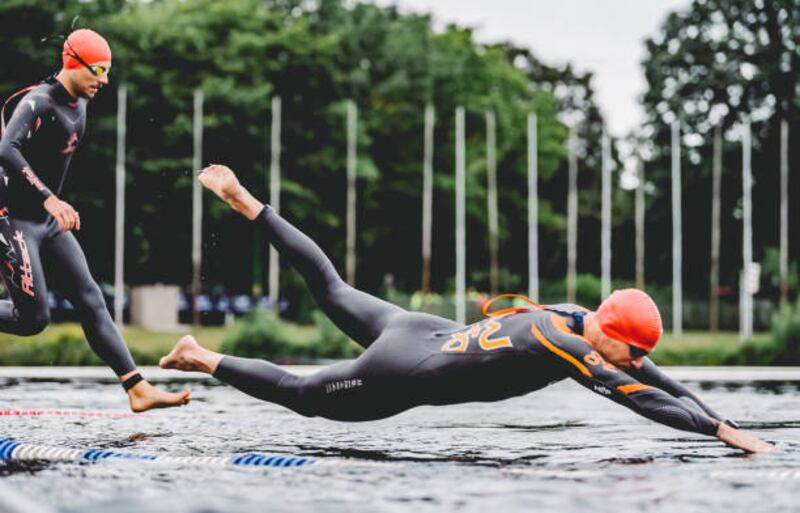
(39, 325)
(33, 325)
(301, 395)
(91, 298)
(337, 295)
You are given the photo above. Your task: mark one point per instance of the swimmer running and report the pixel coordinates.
(35, 152)
(414, 359)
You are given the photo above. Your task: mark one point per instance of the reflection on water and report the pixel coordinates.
(561, 449)
(775, 387)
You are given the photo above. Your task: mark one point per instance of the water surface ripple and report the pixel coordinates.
(562, 449)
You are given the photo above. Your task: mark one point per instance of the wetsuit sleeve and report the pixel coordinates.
(652, 375)
(588, 368)
(23, 124)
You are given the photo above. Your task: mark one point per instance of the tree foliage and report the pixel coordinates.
(721, 62)
(314, 56)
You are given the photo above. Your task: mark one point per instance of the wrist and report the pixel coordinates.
(731, 423)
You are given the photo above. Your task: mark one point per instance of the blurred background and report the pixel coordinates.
(635, 112)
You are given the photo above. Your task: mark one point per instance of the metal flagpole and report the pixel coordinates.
(677, 234)
(533, 208)
(427, 197)
(350, 260)
(605, 231)
(784, 257)
(746, 303)
(275, 198)
(119, 234)
(716, 183)
(461, 235)
(197, 205)
(572, 217)
(639, 220)
(491, 197)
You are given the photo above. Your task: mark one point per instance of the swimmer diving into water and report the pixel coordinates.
(414, 359)
(35, 152)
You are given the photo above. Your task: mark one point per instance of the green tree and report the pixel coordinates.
(720, 62)
(315, 56)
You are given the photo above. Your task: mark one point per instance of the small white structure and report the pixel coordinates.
(155, 307)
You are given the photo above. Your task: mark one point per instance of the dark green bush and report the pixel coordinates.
(66, 350)
(786, 334)
(332, 343)
(754, 353)
(260, 334)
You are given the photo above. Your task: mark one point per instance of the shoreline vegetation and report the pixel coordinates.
(262, 335)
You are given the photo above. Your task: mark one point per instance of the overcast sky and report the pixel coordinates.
(602, 36)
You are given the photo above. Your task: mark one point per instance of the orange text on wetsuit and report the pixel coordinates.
(594, 358)
(459, 342)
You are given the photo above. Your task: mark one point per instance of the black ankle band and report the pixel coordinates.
(132, 381)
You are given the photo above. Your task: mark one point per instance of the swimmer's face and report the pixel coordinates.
(613, 351)
(618, 353)
(87, 82)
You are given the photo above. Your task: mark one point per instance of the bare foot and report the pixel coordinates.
(144, 396)
(222, 181)
(188, 355)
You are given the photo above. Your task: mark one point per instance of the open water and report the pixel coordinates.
(559, 449)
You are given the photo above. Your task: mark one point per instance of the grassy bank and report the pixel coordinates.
(64, 344)
(721, 348)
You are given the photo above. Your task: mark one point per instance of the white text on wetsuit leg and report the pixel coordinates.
(345, 384)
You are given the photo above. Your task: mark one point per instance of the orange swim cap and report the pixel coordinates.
(88, 45)
(631, 316)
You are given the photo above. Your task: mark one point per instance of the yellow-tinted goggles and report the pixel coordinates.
(98, 70)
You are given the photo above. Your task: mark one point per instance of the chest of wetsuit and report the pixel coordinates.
(38, 144)
(490, 360)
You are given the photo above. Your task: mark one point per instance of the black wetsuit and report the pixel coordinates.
(414, 359)
(35, 152)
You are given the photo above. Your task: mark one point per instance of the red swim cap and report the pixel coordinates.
(631, 316)
(88, 45)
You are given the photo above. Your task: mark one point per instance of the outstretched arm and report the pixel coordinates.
(650, 374)
(588, 368)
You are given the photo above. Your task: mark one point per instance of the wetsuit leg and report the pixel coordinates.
(27, 312)
(381, 382)
(344, 391)
(84, 293)
(361, 316)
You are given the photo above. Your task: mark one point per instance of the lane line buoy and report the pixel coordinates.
(12, 450)
(67, 413)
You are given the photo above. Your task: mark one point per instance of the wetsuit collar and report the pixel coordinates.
(60, 93)
(577, 324)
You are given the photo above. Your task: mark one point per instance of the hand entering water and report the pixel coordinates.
(743, 440)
